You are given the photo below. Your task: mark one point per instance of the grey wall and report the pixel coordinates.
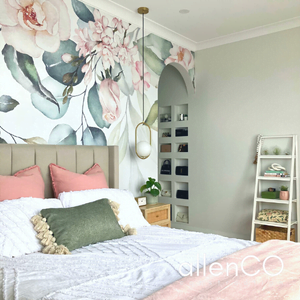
(243, 89)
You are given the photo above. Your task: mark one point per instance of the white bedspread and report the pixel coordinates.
(129, 268)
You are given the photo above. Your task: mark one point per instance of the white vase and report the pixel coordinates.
(151, 199)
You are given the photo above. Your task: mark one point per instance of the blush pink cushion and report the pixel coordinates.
(67, 181)
(24, 183)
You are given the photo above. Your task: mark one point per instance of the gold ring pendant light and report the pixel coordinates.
(143, 148)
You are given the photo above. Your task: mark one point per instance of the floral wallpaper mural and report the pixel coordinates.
(71, 74)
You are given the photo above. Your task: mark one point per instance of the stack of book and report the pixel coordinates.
(276, 173)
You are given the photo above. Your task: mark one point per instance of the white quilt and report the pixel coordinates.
(129, 268)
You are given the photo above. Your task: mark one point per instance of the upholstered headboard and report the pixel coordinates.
(74, 158)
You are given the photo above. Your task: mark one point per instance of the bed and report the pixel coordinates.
(156, 262)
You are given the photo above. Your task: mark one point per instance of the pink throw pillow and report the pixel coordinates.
(67, 181)
(24, 183)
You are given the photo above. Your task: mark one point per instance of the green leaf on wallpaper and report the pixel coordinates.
(94, 136)
(95, 107)
(153, 113)
(2, 141)
(118, 73)
(161, 45)
(151, 59)
(7, 103)
(48, 108)
(82, 12)
(62, 134)
(24, 72)
(57, 68)
(35, 141)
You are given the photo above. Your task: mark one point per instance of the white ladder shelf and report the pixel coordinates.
(293, 202)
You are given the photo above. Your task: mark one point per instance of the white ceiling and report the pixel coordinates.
(211, 22)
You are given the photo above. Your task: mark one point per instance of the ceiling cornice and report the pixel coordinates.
(153, 27)
(249, 34)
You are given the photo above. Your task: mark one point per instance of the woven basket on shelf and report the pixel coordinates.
(265, 233)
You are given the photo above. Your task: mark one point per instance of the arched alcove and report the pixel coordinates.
(175, 92)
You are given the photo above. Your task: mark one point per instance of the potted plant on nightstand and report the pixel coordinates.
(152, 189)
(284, 193)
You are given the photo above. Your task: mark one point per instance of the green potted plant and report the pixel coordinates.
(152, 189)
(284, 193)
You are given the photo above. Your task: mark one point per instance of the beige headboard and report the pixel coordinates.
(74, 158)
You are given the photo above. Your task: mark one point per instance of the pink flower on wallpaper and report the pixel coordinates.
(182, 56)
(137, 77)
(125, 53)
(109, 94)
(84, 42)
(34, 26)
(108, 54)
(101, 31)
(120, 25)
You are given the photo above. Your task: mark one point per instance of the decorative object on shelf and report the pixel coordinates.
(183, 148)
(152, 189)
(165, 148)
(270, 195)
(276, 170)
(271, 189)
(181, 132)
(143, 148)
(166, 134)
(181, 117)
(166, 193)
(273, 215)
(182, 217)
(182, 194)
(182, 170)
(265, 152)
(166, 167)
(141, 200)
(287, 153)
(284, 193)
(276, 167)
(185, 117)
(259, 143)
(165, 118)
(276, 151)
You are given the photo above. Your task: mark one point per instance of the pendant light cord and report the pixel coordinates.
(143, 65)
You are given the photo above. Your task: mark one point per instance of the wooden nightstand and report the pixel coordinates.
(157, 214)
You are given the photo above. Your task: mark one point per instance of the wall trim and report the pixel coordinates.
(249, 34)
(166, 33)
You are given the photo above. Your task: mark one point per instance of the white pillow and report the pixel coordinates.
(129, 212)
(17, 236)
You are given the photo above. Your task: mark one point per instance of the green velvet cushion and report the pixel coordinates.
(82, 225)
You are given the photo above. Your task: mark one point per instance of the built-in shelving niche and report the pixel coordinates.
(165, 133)
(181, 214)
(165, 114)
(166, 187)
(181, 110)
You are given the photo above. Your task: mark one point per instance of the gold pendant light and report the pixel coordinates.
(143, 148)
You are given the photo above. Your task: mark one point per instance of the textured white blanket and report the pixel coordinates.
(129, 268)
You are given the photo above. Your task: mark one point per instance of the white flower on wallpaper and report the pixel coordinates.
(80, 72)
(33, 27)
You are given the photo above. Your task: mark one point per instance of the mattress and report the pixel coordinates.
(132, 267)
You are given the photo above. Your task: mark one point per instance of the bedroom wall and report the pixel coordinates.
(75, 78)
(243, 89)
